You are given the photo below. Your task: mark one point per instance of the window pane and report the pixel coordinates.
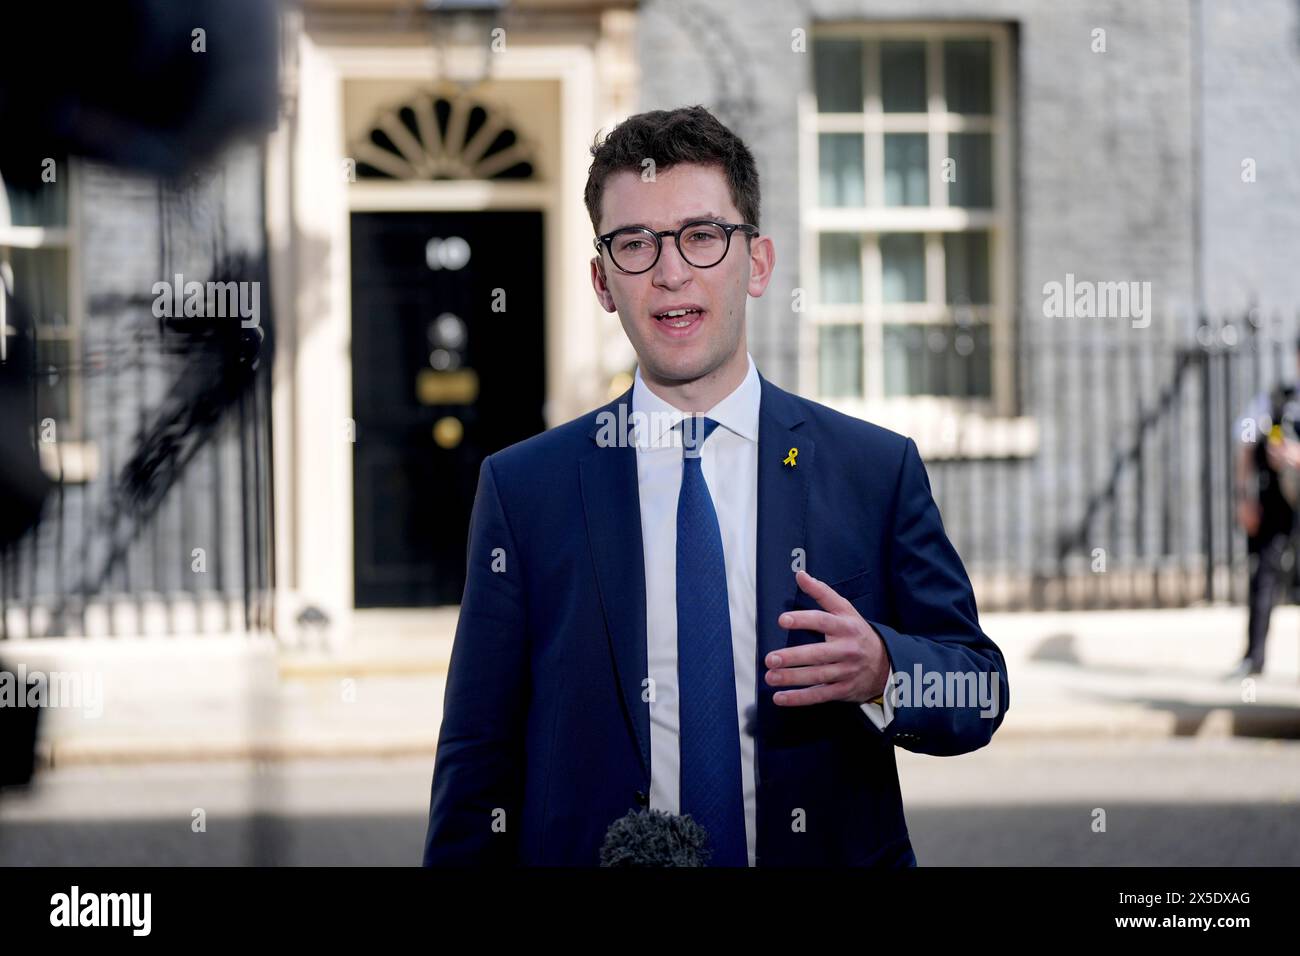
(837, 68)
(902, 359)
(966, 267)
(37, 203)
(937, 360)
(902, 259)
(902, 77)
(41, 284)
(54, 383)
(906, 173)
(973, 182)
(967, 77)
(841, 268)
(839, 368)
(841, 180)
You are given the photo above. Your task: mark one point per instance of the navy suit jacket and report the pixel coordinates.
(545, 738)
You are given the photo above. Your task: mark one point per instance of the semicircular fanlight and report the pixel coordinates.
(442, 136)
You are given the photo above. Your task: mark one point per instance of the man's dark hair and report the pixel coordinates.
(688, 134)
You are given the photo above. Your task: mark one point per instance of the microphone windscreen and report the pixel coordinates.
(648, 837)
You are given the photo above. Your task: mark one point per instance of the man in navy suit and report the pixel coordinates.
(710, 597)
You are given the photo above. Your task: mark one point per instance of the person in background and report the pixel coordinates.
(1268, 477)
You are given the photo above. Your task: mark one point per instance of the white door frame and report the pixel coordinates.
(312, 401)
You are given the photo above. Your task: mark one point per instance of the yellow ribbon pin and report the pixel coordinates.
(790, 458)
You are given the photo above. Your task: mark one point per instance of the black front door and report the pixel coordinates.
(447, 367)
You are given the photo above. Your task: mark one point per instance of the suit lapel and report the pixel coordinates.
(611, 502)
(782, 512)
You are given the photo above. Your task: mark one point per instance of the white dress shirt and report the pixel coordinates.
(729, 462)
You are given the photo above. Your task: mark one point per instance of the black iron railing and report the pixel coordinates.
(165, 525)
(1127, 500)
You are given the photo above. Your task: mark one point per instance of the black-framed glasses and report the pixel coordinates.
(702, 242)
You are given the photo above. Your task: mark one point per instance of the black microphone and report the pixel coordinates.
(652, 838)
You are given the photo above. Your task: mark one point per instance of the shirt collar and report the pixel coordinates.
(737, 412)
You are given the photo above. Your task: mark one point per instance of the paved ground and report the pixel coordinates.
(323, 754)
(1179, 802)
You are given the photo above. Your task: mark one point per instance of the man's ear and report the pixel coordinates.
(762, 260)
(599, 284)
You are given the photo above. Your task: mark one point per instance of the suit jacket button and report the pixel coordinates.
(642, 799)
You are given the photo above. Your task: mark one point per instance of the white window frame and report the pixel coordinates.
(912, 413)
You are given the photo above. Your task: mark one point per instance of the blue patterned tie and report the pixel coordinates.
(710, 736)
